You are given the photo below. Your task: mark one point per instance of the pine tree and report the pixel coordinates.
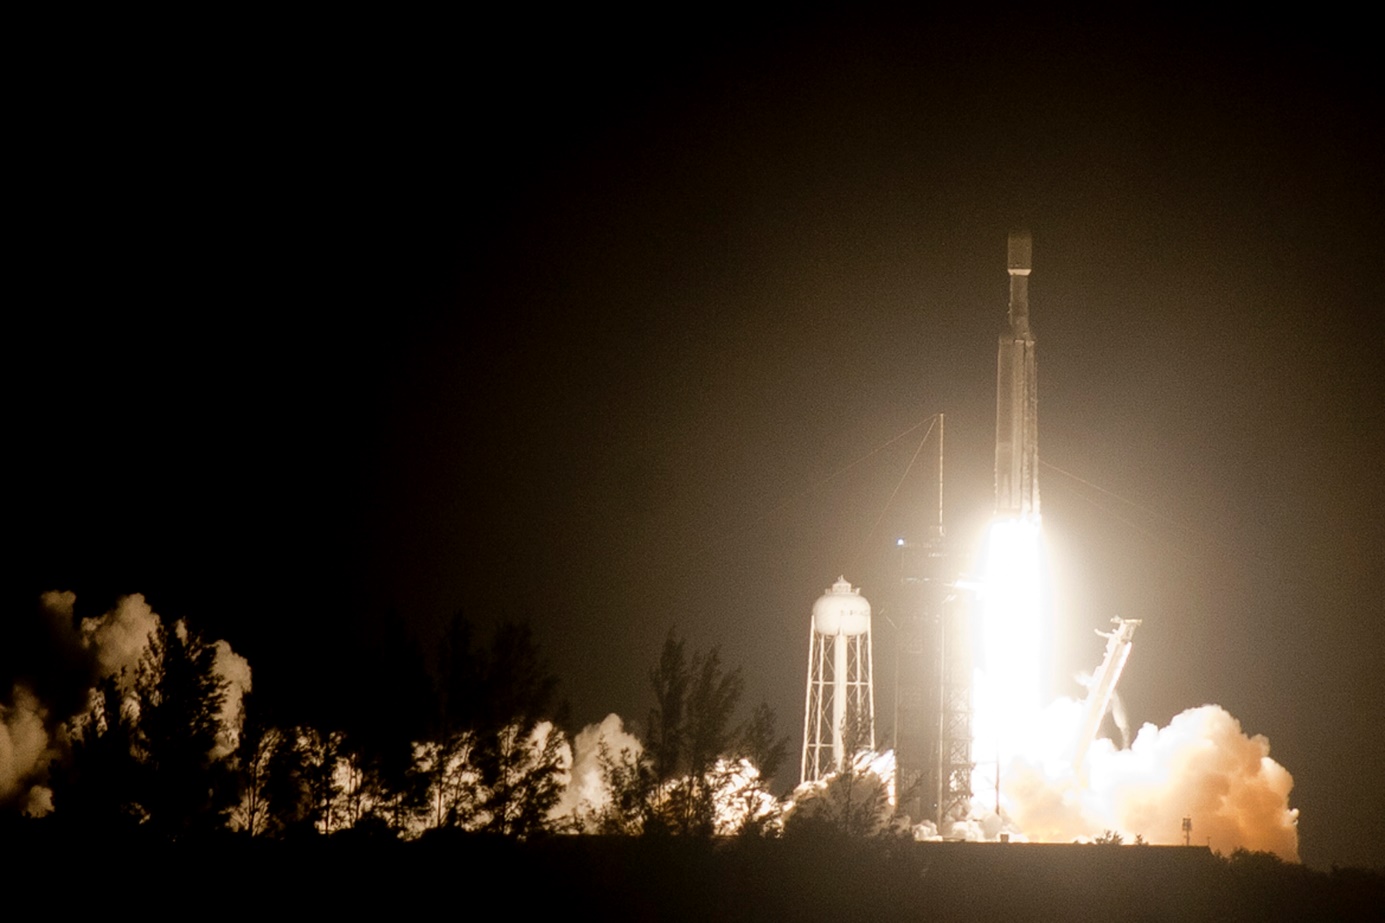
(178, 700)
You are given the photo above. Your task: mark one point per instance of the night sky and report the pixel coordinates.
(323, 332)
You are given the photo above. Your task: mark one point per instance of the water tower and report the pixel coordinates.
(839, 716)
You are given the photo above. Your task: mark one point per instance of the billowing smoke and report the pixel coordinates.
(586, 794)
(71, 660)
(118, 638)
(1202, 766)
(741, 800)
(857, 802)
(24, 752)
(234, 670)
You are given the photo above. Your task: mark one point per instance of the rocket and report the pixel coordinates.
(1017, 397)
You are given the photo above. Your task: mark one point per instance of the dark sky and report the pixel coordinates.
(329, 330)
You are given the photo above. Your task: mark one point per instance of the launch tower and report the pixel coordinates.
(933, 664)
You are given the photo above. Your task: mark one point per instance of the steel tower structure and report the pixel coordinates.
(932, 721)
(839, 712)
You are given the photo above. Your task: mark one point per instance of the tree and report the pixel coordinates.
(446, 782)
(496, 761)
(762, 750)
(531, 773)
(320, 753)
(669, 681)
(288, 795)
(254, 759)
(712, 697)
(760, 741)
(689, 772)
(628, 779)
(179, 698)
(97, 784)
(147, 749)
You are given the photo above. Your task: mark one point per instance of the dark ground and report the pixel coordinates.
(675, 879)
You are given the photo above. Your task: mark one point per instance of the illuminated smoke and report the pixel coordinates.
(24, 751)
(857, 802)
(234, 670)
(118, 638)
(586, 795)
(741, 801)
(740, 798)
(1201, 766)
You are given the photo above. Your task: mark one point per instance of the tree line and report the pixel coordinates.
(156, 749)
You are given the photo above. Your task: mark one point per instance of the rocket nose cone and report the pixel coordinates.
(1021, 248)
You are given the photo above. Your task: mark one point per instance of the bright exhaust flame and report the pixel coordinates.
(1008, 695)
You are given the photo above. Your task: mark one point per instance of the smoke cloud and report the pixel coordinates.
(586, 794)
(24, 751)
(235, 671)
(118, 638)
(1202, 766)
(856, 802)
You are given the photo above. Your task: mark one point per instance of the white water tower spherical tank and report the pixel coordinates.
(841, 610)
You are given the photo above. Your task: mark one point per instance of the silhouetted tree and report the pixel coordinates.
(712, 697)
(396, 797)
(254, 759)
(497, 762)
(530, 774)
(179, 697)
(760, 741)
(516, 685)
(459, 693)
(628, 779)
(675, 784)
(669, 680)
(446, 786)
(319, 752)
(760, 745)
(147, 748)
(97, 785)
(288, 794)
